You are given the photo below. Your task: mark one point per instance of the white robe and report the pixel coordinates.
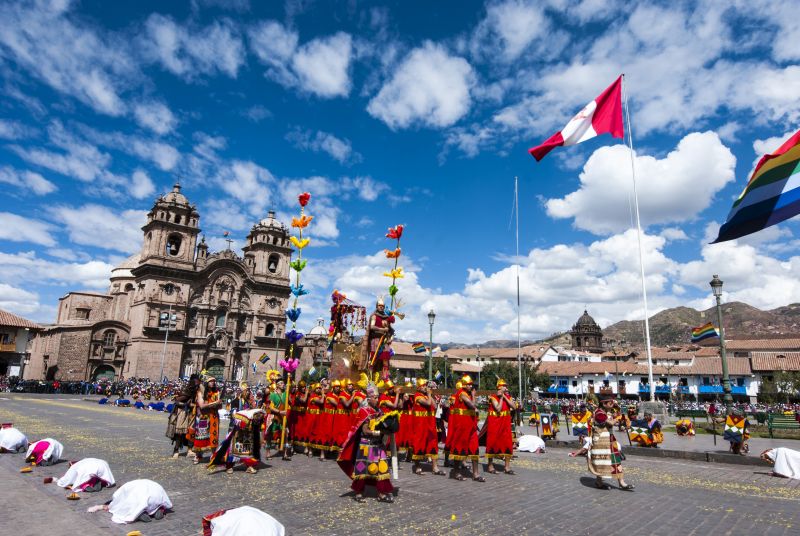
(246, 521)
(531, 443)
(787, 462)
(12, 439)
(84, 470)
(135, 497)
(53, 452)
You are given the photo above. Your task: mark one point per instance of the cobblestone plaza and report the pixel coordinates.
(550, 494)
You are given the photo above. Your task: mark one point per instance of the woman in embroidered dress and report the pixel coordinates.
(205, 430)
(604, 456)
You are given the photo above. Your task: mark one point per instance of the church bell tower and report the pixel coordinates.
(170, 234)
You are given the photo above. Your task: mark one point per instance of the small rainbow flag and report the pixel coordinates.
(705, 331)
(418, 347)
(263, 359)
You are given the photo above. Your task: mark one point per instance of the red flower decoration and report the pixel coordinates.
(395, 232)
(304, 198)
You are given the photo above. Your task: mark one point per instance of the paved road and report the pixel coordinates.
(551, 493)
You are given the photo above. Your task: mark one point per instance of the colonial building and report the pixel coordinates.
(174, 308)
(15, 332)
(586, 334)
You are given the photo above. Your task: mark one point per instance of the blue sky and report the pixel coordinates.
(401, 113)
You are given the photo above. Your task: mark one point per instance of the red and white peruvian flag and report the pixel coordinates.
(601, 116)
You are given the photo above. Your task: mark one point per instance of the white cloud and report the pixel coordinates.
(366, 187)
(339, 149)
(188, 51)
(26, 267)
(674, 234)
(509, 29)
(79, 160)
(257, 113)
(71, 57)
(14, 130)
(101, 227)
(141, 186)
(162, 154)
(18, 300)
(27, 180)
(21, 229)
(156, 116)
(248, 183)
(320, 66)
(430, 87)
(700, 164)
(323, 65)
(770, 145)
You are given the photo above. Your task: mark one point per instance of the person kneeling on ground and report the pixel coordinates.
(89, 474)
(137, 500)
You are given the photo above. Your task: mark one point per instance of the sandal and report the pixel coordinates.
(600, 485)
(438, 472)
(386, 498)
(510, 472)
(196, 461)
(456, 475)
(478, 478)
(418, 471)
(627, 487)
(359, 498)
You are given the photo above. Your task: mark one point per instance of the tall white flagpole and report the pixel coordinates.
(519, 340)
(519, 343)
(639, 237)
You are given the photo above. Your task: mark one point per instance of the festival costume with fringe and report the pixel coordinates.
(341, 420)
(242, 444)
(424, 441)
(499, 438)
(463, 430)
(314, 414)
(604, 457)
(296, 420)
(364, 458)
(205, 427)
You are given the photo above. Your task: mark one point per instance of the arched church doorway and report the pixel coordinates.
(104, 372)
(216, 368)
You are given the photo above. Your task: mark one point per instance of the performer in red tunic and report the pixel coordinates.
(424, 439)
(316, 436)
(403, 436)
(389, 399)
(297, 415)
(451, 400)
(327, 419)
(356, 396)
(499, 439)
(378, 340)
(341, 418)
(364, 457)
(464, 431)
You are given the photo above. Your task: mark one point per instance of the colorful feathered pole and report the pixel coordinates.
(293, 336)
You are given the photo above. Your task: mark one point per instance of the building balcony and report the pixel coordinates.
(717, 390)
(561, 389)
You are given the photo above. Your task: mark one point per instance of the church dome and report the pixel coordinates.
(271, 222)
(319, 329)
(124, 268)
(175, 196)
(586, 321)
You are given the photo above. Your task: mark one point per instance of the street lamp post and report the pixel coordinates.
(716, 287)
(431, 318)
(169, 288)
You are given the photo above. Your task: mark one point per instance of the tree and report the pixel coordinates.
(439, 365)
(531, 377)
(767, 391)
(787, 383)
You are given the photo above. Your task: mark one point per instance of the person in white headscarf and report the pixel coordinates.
(142, 500)
(12, 440)
(89, 474)
(242, 521)
(46, 451)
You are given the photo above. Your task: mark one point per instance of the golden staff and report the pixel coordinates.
(285, 412)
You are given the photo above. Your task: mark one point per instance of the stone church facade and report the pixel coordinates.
(223, 310)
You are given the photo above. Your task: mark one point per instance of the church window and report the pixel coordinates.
(272, 264)
(193, 316)
(270, 330)
(82, 313)
(109, 338)
(128, 287)
(173, 245)
(220, 322)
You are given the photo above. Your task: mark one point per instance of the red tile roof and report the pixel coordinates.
(765, 361)
(10, 319)
(763, 344)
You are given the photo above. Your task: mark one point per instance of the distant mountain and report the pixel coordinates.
(742, 321)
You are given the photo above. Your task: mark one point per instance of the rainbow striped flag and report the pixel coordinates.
(418, 347)
(705, 331)
(264, 358)
(771, 196)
